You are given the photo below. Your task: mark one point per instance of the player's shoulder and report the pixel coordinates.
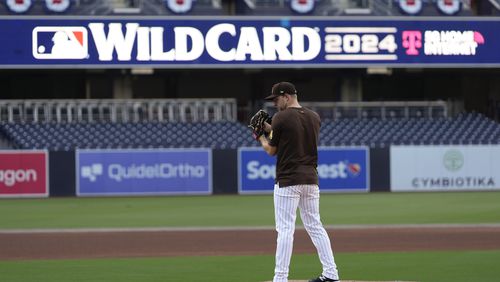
(283, 117)
(295, 111)
(310, 112)
(282, 114)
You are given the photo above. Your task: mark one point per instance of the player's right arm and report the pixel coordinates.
(270, 144)
(270, 150)
(267, 127)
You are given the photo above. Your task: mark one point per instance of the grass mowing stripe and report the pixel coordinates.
(415, 266)
(250, 210)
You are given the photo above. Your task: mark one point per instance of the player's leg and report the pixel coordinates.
(309, 212)
(286, 201)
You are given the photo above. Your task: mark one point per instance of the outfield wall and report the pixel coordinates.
(151, 172)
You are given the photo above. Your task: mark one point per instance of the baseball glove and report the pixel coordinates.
(257, 123)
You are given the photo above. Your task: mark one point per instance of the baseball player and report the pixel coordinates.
(293, 137)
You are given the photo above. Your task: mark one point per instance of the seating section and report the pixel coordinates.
(70, 136)
(236, 7)
(116, 7)
(464, 129)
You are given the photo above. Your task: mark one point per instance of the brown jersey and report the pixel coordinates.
(295, 133)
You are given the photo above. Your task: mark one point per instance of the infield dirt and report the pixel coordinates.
(136, 243)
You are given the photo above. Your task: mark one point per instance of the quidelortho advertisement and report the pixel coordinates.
(144, 172)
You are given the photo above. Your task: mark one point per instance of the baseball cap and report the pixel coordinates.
(281, 88)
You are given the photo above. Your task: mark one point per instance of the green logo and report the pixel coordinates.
(453, 160)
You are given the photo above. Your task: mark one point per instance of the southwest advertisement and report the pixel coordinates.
(444, 168)
(248, 42)
(339, 170)
(24, 173)
(144, 172)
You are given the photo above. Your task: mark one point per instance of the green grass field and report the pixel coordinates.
(372, 208)
(415, 266)
(199, 211)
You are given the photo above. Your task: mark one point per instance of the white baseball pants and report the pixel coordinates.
(286, 201)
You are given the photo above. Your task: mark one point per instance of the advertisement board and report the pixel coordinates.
(143, 172)
(248, 42)
(339, 170)
(444, 168)
(24, 174)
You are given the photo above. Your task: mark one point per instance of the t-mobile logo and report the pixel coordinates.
(412, 41)
(91, 172)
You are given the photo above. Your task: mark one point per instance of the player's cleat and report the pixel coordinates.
(322, 278)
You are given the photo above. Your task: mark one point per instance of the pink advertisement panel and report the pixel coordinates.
(24, 174)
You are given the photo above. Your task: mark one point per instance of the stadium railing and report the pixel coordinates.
(116, 110)
(375, 110)
(198, 110)
(344, 8)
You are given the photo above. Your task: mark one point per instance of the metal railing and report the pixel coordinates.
(116, 110)
(379, 110)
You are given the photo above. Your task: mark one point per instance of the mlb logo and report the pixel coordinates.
(60, 42)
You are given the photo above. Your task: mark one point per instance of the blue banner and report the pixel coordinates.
(248, 42)
(143, 172)
(339, 169)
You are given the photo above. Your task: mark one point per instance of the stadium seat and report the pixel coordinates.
(464, 129)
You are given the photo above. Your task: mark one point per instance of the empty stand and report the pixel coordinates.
(464, 129)
(70, 136)
(122, 7)
(340, 8)
(164, 123)
(211, 123)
